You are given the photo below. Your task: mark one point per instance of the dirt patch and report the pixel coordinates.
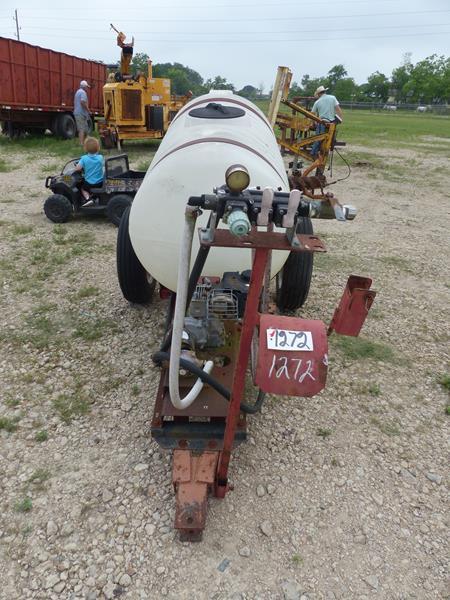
(339, 496)
(434, 138)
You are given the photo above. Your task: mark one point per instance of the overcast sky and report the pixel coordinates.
(244, 40)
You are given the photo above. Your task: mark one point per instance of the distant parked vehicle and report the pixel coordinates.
(112, 197)
(389, 107)
(37, 87)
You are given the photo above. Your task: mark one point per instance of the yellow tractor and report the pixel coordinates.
(136, 107)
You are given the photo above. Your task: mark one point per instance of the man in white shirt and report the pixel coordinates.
(327, 108)
(81, 111)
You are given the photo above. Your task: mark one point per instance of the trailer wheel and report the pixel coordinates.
(294, 280)
(58, 208)
(65, 127)
(136, 285)
(12, 129)
(116, 207)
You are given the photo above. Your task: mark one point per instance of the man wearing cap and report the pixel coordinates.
(81, 111)
(327, 108)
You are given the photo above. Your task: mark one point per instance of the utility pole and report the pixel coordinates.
(16, 19)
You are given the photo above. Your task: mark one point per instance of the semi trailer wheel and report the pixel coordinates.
(65, 126)
(136, 285)
(116, 208)
(58, 208)
(294, 279)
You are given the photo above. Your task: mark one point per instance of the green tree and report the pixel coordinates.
(400, 77)
(248, 91)
(345, 89)
(377, 87)
(139, 63)
(182, 78)
(218, 83)
(428, 81)
(334, 75)
(309, 85)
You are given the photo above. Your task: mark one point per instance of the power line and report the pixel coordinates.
(95, 31)
(258, 19)
(239, 5)
(266, 40)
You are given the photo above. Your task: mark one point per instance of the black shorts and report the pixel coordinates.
(88, 186)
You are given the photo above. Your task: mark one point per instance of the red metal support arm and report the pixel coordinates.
(251, 320)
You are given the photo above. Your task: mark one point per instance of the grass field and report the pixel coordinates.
(371, 129)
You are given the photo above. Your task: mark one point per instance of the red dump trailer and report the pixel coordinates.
(37, 86)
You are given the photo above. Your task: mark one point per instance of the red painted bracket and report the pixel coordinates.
(270, 240)
(354, 306)
(193, 477)
(293, 356)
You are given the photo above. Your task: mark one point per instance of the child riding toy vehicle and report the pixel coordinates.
(116, 193)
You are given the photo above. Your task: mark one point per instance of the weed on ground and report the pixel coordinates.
(41, 436)
(5, 167)
(71, 406)
(8, 424)
(23, 505)
(355, 348)
(444, 380)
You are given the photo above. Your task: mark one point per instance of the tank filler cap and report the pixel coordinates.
(215, 110)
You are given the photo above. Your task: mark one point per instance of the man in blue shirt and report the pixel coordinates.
(81, 111)
(327, 108)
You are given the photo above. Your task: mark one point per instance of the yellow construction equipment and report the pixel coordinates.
(136, 107)
(297, 134)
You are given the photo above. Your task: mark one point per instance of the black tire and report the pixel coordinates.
(116, 207)
(13, 130)
(54, 125)
(58, 208)
(133, 278)
(66, 127)
(294, 279)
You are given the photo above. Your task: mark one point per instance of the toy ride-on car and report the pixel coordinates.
(115, 194)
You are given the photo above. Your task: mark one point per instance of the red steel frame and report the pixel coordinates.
(251, 320)
(197, 473)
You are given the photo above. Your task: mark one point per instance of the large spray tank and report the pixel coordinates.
(208, 135)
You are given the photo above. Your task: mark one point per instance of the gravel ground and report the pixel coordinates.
(342, 496)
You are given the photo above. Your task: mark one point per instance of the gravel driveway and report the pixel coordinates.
(342, 496)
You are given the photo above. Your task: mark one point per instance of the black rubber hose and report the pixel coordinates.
(161, 356)
(169, 315)
(253, 409)
(196, 272)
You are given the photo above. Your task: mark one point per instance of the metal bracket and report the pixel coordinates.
(292, 237)
(294, 201)
(193, 477)
(266, 207)
(354, 306)
(207, 233)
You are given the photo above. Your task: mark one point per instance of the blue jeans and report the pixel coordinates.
(321, 128)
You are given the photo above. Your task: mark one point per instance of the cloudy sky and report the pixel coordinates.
(242, 40)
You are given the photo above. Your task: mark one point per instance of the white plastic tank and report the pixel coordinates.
(192, 160)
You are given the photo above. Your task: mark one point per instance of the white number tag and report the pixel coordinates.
(283, 339)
